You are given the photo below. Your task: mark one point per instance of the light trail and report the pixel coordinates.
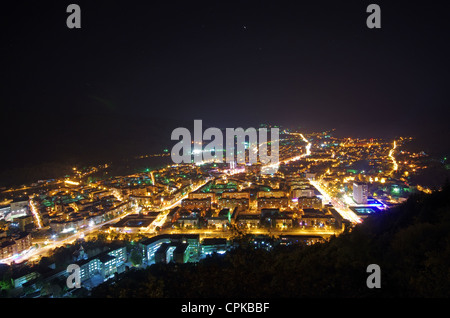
(161, 218)
(253, 231)
(42, 250)
(306, 154)
(423, 189)
(265, 167)
(153, 178)
(72, 182)
(339, 206)
(391, 155)
(36, 214)
(308, 146)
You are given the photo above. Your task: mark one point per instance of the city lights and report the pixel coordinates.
(238, 149)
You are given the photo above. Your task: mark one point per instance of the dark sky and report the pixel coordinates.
(313, 64)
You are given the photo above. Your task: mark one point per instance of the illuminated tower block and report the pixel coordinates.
(360, 191)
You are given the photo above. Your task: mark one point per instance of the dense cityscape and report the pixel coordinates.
(184, 212)
(224, 156)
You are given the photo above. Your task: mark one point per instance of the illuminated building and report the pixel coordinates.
(248, 220)
(271, 194)
(105, 264)
(7, 249)
(221, 220)
(77, 220)
(214, 245)
(9, 246)
(97, 195)
(308, 192)
(282, 221)
(231, 203)
(161, 248)
(151, 245)
(109, 264)
(120, 253)
(309, 202)
(24, 222)
(365, 211)
(164, 253)
(236, 195)
(173, 252)
(142, 200)
(4, 210)
(275, 218)
(133, 223)
(203, 195)
(360, 192)
(22, 240)
(272, 203)
(88, 268)
(21, 277)
(189, 219)
(201, 204)
(18, 207)
(317, 218)
(181, 253)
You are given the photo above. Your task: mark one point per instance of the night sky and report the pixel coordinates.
(135, 66)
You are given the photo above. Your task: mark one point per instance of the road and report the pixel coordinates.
(46, 246)
(274, 232)
(35, 213)
(161, 218)
(394, 162)
(306, 154)
(339, 206)
(35, 253)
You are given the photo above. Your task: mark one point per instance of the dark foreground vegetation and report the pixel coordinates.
(411, 244)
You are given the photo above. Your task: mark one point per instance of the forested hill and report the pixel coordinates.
(410, 243)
